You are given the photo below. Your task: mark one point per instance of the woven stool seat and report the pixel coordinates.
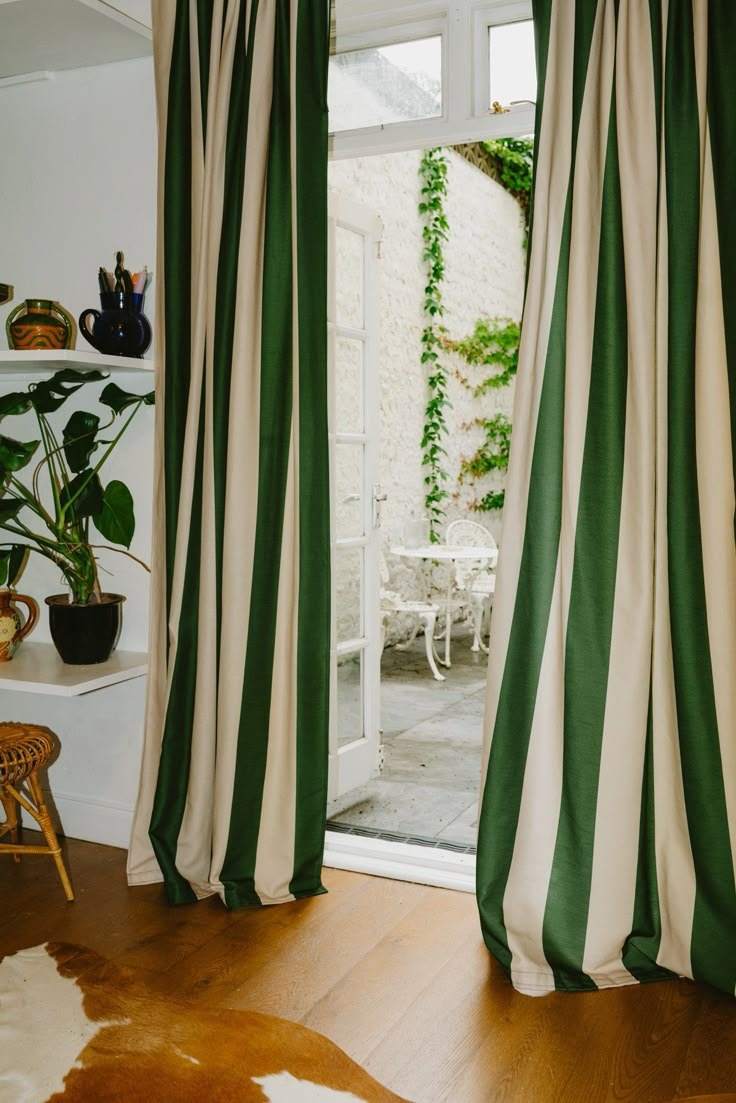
(24, 749)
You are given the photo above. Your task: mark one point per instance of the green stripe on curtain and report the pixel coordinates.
(505, 776)
(642, 947)
(227, 275)
(713, 946)
(237, 717)
(171, 786)
(313, 683)
(587, 650)
(628, 370)
(721, 100)
(177, 259)
(238, 871)
(175, 763)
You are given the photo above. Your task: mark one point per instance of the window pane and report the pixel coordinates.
(349, 698)
(348, 572)
(349, 249)
(386, 84)
(349, 460)
(348, 385)
(513, 63)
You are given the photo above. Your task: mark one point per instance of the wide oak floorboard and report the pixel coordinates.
(398, 976)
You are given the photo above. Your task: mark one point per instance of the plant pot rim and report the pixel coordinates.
(63, 600)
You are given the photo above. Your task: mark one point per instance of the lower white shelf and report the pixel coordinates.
(37, 668)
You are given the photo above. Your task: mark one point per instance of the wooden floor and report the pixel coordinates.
(398, 976)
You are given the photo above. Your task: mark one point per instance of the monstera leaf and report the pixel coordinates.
(116, 521)
(17, 402)
(79, 439)
(12, 563)
(9, 508)
(14, 454)
(90, 500)
(118, 399)
(52, 393)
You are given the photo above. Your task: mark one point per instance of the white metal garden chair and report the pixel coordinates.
(474, 576)
(424, 612)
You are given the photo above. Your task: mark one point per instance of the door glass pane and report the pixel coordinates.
(349, 510)
(349, 698)
(348, 572)
(387, 84)
(513, 63)
(349, 248)
(349, 385)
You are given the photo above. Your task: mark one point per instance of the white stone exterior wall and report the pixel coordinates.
(484, 277)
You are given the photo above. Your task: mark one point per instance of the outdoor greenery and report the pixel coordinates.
(494, 345)
(512, 159)
(433, 176)
(55, 521)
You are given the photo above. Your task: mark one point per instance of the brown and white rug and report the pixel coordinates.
(74, 1028)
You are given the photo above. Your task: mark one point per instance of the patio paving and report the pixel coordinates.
(432, 735)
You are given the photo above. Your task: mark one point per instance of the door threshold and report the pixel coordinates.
(400, 861)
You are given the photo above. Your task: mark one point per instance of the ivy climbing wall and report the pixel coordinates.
(484, 260)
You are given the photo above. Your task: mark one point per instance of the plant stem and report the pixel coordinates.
(105, 454)
(58, 523)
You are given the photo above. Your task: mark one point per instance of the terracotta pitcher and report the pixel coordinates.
(12, 628)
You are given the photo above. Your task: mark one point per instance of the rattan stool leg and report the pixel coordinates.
(44, 822)
(11, 818)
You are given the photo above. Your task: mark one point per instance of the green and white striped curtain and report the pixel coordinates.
(608, 825)
(234, 777)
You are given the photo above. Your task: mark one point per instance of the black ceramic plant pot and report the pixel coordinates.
(85, 634)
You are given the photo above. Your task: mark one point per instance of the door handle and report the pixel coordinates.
(379, 496)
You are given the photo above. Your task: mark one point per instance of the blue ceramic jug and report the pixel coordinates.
(120, 328)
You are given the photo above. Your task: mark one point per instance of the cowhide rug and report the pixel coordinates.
(74, 1028)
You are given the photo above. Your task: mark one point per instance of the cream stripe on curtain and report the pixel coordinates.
(233, 788)
(608, 825)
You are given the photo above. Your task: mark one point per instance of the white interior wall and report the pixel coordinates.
(78, 182)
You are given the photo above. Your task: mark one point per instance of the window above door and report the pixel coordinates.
(407, 75)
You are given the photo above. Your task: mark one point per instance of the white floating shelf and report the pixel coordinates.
(37, 668)
(51, 360)
(43, 35)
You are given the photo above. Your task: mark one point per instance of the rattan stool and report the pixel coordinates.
(24, 748)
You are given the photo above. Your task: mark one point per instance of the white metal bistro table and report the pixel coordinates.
(450, 553)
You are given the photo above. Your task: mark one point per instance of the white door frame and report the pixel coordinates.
(356, 762)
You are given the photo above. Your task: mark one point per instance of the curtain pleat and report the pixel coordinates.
(607, 832)
(234, 778)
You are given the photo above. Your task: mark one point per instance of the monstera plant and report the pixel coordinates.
(53, 502)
